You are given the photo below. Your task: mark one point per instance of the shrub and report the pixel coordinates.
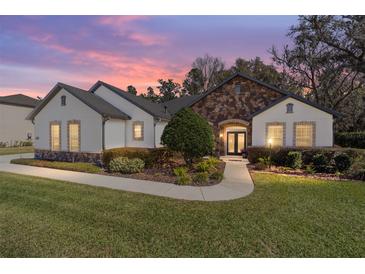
(182, 175)
(125, 165)
(201, 177)
(294, 159)
(263, 163)
(350, 139)
(343, 162)
(320, 162)
(255, 153)
(150, 156)
(190, 134)
(217, 175)
(357, 169)
(309, 169)
(213, 161)
(208, 165)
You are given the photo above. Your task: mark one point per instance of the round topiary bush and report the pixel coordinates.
(190, 134)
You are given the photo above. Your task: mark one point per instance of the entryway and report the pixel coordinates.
(236, 142)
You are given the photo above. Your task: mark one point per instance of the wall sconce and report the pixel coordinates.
(269, 141)
(221, 135)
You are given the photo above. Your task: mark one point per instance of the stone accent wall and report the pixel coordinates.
(67, 156)
(225, 103)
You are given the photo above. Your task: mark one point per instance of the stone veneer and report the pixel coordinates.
(67, 156)
(224, 104)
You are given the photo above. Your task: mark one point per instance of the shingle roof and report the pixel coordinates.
(93, 101)
(19, 100)
(155, 109)
(177, 104)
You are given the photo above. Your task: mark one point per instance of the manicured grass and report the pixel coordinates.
(82, 167)
(16, 150)
(283, 217)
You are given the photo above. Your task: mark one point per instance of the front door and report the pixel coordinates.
(236, 143)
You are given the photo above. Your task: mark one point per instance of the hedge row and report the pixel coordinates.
(350, 139)
(279, 156)
(150, 156)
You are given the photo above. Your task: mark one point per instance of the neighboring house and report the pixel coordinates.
(13, 125)
(75, 124)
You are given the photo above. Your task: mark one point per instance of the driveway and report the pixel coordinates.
(237, 181)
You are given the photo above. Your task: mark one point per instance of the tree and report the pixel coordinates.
(132, 90)
(210, 68)
(168, 90)
(345, 35)
(194, 82)
(320, 75)
(190, 134)
(150, 95)
(257, 69)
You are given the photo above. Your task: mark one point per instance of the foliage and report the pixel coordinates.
(357, 169)
(194, 82)
(78, 166)
(168, 90)
(320, 162)
(16, 144)
(125, 165)
(343, 162)
(294, 159)
(255, 153)
(319, 75)
(132, 90)
(350, 139)
(201, 177)
(190, 134)
(207, 165)
(309, 169)
(151, 156)
(217, 175)
(263, 163)
(183, 177)
(150, 95)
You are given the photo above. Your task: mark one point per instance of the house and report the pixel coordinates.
(13, 125)
(75, 124)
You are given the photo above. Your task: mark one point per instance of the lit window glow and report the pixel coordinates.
(304, 135)
(275, 135)
(74, 137)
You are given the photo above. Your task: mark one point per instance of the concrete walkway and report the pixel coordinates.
(237, 181)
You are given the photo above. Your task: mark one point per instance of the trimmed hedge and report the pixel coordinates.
(279, 156)
(150, 156)
(125, 165)
(350, 139)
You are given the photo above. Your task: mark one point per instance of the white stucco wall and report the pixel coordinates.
(301, 112)
(13, 126)
(135, 113)
(160, 126)
(114, 133)
(91, 123)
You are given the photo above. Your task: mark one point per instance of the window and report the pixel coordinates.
(275, 134)
(63, 100)
(55, 136)
(304, 134)
(74, 136)
(237, 89)
(289, 108)
(138, 131)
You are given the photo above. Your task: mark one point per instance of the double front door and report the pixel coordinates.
(236, 142)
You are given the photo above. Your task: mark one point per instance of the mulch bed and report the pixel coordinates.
(296, 172)
(165, 174)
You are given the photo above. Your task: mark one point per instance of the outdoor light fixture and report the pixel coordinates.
(221, 135)
(269, 141)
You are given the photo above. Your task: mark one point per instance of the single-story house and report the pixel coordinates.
(75, 124)
(13, 125)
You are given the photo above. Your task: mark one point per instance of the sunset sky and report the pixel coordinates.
(38, 52)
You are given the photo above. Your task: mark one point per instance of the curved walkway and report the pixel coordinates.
(237, 181)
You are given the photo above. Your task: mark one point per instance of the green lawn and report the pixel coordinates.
(16, 150)
(284, 217)
(78, 166)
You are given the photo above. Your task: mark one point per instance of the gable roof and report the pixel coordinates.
(155, 109)
(285, 94)
(93, 101)
(19, 100)
(174, 105)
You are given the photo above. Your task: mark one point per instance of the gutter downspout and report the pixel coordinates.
(103, 131)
